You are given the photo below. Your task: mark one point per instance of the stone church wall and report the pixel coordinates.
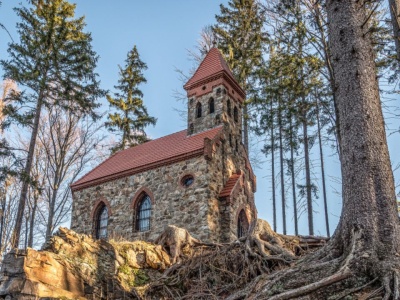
(172, 203)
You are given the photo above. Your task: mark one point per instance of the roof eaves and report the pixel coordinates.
(79, 186)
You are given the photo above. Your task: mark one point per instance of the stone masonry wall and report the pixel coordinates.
(172, 203)
(226, 162)
(219, 116)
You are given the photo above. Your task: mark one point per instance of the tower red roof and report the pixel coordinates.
(213, 65)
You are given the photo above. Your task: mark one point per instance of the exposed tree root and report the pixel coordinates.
(266, 265)
(214, 271)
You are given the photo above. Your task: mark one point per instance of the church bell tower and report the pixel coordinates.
(215, 98)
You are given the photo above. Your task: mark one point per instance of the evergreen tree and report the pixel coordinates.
(241, 38)
(131, 117)
(54, 62)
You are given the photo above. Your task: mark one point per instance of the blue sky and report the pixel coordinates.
(163, 31)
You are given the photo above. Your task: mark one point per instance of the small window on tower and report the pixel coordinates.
(211, 106)
(236, 145)
(198, 110)
(235, 114)
(229, 109)
(230, 140)
(218, 91)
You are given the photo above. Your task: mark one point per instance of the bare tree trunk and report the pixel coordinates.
(32, 218)
(321, 155)
(331, 72)
(282, 168)
(394, 6)
(50, 219)
(273, 168)
(27, 171)
(308, 174)
(3, 200)
(296, 227)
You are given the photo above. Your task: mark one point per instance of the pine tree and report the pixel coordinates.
(54, 62)
(131, 117)
(241, 38)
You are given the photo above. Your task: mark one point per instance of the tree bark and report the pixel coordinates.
(273, 167)
(282, 168)
(369, 200)
(394, 6)
(321, 156)
(296, 227)
(32, 218)
(308, 174)
(27, 171)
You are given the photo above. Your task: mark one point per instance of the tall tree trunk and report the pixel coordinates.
(27, 171)
(282, 168)
(331, 72)
(296, 227)
(308, 172)
(321, 155)
(273, 167)
(3, 207)
(394, 6)
(369, 199)
(50, 219)
(32, 218)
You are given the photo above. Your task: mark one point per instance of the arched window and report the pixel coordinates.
(143, 213)
(198, 110)
(228, 104)
(101, 222)
(243, 224)
(236, 145)
(211, 107)
(235, 114)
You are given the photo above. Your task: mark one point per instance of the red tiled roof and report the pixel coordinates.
(212, 65)
(168, 149)
(229, 186)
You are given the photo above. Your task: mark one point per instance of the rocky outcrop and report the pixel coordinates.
(74, 266)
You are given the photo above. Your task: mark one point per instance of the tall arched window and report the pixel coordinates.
(228, 104)
(211, 106)
(101, 222)
(143, 213)
(243, 224)
(235, 114)
(198, 110)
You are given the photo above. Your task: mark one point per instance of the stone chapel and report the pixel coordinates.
(199, 179)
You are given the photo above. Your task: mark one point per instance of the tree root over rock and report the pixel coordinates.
(319, 276)
(214, 271)
(266, 265)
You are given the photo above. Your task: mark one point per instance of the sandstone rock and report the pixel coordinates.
(75, 266)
